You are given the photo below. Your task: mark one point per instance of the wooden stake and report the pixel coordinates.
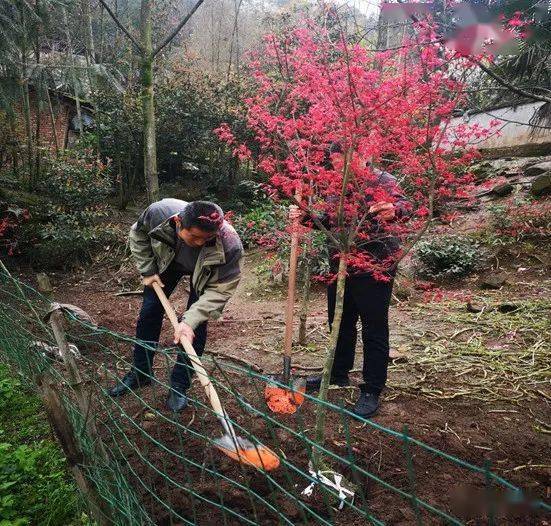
(65, 433)
(75, 379)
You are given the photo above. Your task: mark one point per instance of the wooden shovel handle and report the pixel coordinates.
(210, 391)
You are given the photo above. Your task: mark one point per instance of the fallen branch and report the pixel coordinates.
(240, 361)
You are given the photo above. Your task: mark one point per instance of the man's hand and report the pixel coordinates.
(183, 331)
(383, 211)
(149, 280)
(295, 213)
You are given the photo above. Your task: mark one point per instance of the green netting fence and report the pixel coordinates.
(138, 463)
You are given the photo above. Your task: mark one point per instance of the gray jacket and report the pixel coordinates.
(152, 240)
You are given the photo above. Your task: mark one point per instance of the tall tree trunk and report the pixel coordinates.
(28, 131)
(14, 147)
(38, 118)
(148, 104)
(76, 81)
(38, 91)
(321, 410)
(52, 120)
(90, 46)
(339, 304)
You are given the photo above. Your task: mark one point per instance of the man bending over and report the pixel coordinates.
(170, 240)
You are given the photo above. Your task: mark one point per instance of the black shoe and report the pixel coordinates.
(367, 405)
(177, 399)
(130, 381)
(313, 383)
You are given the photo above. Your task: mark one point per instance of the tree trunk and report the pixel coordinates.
(28, 131)
(71, 60)
(329, 359)
(148, 104)
(53, 121)
(38, 114)
(90, 46)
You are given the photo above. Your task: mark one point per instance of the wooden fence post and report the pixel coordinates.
(75, 379)
(65, 433)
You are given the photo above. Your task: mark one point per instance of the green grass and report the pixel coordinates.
(35, 488)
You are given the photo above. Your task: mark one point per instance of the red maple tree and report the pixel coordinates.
(327, 116)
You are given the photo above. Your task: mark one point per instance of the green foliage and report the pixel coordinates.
(34, 485)
(446, 257)
(261, 225)
(119, 120)
(265, 225)
(77, 184)
(520, 220)
(189, 105)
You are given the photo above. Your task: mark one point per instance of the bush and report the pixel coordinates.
(265, 226)
(78, 184)
(446, 257)
(514, 222)
(262, 225)
(11, 219)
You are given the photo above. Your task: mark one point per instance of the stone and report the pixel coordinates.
(482, 171)
(492, 281)
(474, 308)
(538, 169)
(396, 355)
(541, 185)
(44, 284)
(501, 190)
(506, 308)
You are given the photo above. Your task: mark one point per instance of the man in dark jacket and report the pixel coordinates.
(368, 299)
(170, 240)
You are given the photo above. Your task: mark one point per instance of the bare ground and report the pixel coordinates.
(462, 382)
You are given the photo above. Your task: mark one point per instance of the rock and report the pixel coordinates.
(397, 356)
(483, 171)
(44, 284)
(492, 281)
(538, 169)
(506, 308)
(474, 308)
(541, 185)
(501, 190)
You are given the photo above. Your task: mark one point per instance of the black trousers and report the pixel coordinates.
(367, 299)
(149, 326)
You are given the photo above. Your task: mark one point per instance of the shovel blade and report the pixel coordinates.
(285, 400)
(246, 452)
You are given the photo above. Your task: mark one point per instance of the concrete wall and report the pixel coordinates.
(515, 138)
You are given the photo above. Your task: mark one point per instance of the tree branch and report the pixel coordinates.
(507, 84)
(121, 27)
(177, 29)
(495, 76)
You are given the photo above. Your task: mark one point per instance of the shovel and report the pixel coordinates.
(279, 399)
(230, 444)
